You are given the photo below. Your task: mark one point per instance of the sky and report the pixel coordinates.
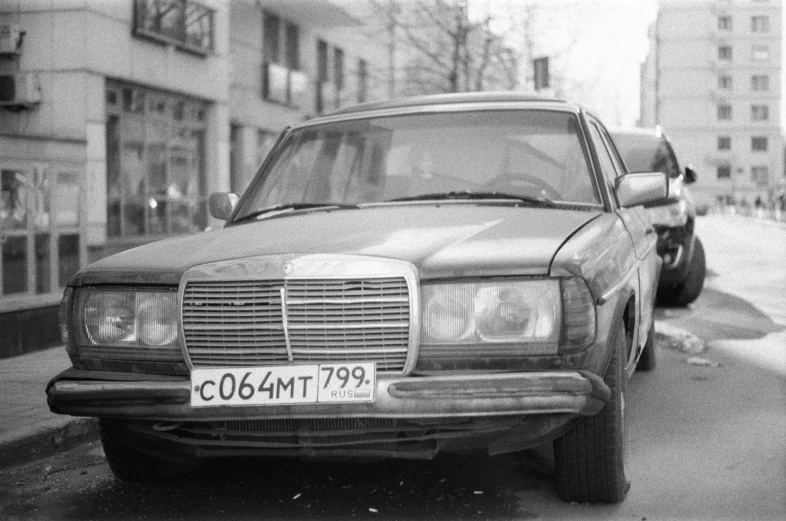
(596, 48)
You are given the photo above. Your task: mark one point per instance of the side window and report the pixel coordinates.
(609, 169)
(615, 157)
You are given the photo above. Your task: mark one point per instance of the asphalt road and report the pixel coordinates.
(708, 438)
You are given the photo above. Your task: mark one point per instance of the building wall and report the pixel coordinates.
(80, 50)
(682, 91)
(257, 120)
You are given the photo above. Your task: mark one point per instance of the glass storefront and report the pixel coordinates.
(40, 229)
(155, 151)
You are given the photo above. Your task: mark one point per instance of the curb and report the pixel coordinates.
(60, 434)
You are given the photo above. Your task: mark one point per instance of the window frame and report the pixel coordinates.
(722, 112)
(180, 39)
(760, 82)
(760, 23)
(762, 110)
(759, 143)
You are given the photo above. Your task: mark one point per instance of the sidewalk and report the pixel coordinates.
(28, 430)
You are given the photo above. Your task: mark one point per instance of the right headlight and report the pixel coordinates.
(672, 215)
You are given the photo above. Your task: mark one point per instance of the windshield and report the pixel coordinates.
(528, 153)
(643, 153)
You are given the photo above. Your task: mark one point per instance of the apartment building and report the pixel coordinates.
(119, 117)
(712, 80)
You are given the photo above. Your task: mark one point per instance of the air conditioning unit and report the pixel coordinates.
(20, 91)
(10, 39)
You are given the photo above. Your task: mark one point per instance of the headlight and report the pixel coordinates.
(521, 312)
(491, 325)
(126, 323)
(671, 215)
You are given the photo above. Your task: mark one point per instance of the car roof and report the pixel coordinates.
(636, 131)
(444, 99)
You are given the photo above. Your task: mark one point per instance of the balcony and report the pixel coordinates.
(283, 85)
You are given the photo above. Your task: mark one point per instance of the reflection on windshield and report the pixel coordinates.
(531, 153)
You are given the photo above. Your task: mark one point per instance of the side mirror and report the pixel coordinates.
(690, 175)
(643, 188)
(222, 204)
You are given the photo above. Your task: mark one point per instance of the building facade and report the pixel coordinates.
(119, 117)
(712, 80)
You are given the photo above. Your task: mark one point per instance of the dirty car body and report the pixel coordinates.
(403, 278)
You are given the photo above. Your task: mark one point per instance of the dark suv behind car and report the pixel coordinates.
(674, 219)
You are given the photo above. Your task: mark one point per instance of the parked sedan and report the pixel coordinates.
(684, 264)
(402, 278)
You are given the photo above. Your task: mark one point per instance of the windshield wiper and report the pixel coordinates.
(292, 206)
(467, 195)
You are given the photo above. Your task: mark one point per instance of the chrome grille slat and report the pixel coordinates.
(240, 322)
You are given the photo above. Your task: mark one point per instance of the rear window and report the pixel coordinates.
(643, 153)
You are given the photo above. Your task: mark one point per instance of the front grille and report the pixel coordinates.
(238, 323)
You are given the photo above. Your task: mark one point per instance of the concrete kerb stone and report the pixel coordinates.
(59, 434)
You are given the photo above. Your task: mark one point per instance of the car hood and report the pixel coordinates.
(441, 240)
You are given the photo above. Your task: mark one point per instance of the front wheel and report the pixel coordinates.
(130, 464)
(689, 289)
(590, 458)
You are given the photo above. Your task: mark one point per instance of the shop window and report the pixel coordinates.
(186, 23)
(155, 167)
(40, 232)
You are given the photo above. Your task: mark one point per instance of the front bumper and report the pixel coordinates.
(161, 398)
(675, 247)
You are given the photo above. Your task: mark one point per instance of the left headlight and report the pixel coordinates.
(672, 215)
(495, 324)
(488, 312)
(126, 323)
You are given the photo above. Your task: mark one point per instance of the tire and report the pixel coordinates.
(129, 464)
(647, 358)
(689, 290)
(590, 458)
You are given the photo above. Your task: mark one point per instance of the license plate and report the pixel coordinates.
(284, 384)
